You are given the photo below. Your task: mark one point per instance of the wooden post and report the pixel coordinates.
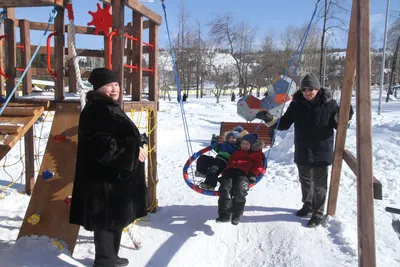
(365, 194)
(345, 102)
(29, 162)
(105, 56)
(11, 56)
(10, 13)
(26, 55)
(71, 68)
(130, 44)
(137, 79)
(59, 52)
(2, 79)
(153, 96)
(118, 16)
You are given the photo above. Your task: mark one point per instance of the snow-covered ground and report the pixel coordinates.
(183, 231)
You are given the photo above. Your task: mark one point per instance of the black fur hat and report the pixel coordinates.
(102, 76)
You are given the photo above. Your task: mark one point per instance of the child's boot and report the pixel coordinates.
(204, 185)
(199, 174)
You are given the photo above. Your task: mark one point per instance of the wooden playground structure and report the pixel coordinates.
(48, 210)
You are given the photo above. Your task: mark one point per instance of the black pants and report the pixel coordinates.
(314, 184)
(232, 193)
(211, 167)
(107, 244)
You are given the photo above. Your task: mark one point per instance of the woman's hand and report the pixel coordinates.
(142, 154)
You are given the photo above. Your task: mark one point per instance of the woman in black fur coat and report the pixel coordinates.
(109, 189)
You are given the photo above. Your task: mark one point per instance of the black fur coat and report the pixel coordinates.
(109, 189)
(313, 127)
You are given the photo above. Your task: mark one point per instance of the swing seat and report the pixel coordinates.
(264, 133)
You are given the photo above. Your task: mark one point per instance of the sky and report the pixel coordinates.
(267, 15)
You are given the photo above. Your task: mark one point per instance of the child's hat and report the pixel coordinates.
(238, 129)
(251, 138)
(233, 133)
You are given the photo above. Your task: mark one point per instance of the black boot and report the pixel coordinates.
(223, 217)
(121, 262)
(235, 219)
(314, 222)
(304, 211)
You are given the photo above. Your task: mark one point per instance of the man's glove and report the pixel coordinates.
(269, 119)
(265, 116)
(350, 114)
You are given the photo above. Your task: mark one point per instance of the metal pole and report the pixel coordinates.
(383, 59)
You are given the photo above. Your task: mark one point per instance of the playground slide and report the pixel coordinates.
(48, 210)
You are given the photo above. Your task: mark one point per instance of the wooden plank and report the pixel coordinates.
(137, 75)
(19, 111)
(141, 9)
(352, 163)
(105, 41)
(48, 195)
(345, 102)
(153, 62)
(2, 79)
(153, 96)
(59, 45)
(41, 26)
(22, 104)
(13, 139)
(71, 68)
(45, 72)
(29, 162)
(11, 56)
(365, 196)
(21, 3)
(10, 129)
(118, 44)
(131, 105)
(130, 44)
(26, 56)
(79, 52)
(59, 3)
(264, 133)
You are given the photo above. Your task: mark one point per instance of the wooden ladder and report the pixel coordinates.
(15, 121)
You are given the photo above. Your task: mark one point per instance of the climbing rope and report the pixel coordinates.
(178, 85)
(150, 113)
(9, 168)
(53, 14)
(82, 89)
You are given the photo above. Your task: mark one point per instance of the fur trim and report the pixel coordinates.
(94, 96)
(259, 144)
(226, 134)
(324, 95)
(243, 133)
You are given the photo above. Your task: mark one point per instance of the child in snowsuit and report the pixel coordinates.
(211, 167)
(242, 169)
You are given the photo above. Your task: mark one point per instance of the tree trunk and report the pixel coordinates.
(394, 64)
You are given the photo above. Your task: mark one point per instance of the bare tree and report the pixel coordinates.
(393, 45)
(330, 22)
(239, 37)
(219, 75)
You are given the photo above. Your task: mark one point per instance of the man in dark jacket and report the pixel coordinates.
(109, 189)
(315, 115)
